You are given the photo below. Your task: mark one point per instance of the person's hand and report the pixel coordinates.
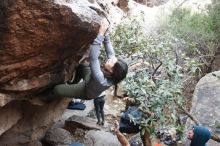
(116, 126)
(104, 26)
(126, 98)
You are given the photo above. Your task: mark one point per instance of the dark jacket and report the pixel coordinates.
(201, 136)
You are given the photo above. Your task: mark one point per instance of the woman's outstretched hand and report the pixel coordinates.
(104, 26)
(116, 126)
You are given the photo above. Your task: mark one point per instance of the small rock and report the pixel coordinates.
(101, 138)
(81, 122)
(34, 143)
(58, 137)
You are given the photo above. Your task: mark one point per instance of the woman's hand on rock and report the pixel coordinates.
(103, 27)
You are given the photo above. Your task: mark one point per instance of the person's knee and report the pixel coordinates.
(56, 90)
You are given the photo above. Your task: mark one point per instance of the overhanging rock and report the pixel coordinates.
(41, 41)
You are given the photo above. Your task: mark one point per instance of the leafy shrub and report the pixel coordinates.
(160, 64)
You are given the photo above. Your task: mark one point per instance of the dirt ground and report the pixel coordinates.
(113, 109)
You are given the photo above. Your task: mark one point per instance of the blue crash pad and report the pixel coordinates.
(76, 144)
(76, 106)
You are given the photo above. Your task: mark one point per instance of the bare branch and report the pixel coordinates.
(155, 70)
(213, 135)
(116, 94)
(148, 113)
(177, 57)
(187, 113)
(180, 5)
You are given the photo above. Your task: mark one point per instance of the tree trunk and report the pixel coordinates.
(146, 138)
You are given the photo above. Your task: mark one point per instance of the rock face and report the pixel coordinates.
(81, 122)
(205, 103)
(101, 138)
(35, 143)
(58, 137)
(29, 122)
(151, 3)
(41, 41)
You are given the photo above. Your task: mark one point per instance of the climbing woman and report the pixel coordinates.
(96, 79)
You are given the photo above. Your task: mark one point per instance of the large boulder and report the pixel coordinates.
(41, 41)
(101, 138)
(205, 103)
(81, 122)
(34, 143)
(26, 122)
(58, 137)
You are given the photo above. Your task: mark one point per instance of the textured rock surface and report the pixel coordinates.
(4, 99)
(58, 136)
(81, 122)
(205, 103)
(40, 39)
(10, 115)
(101, 138)
(33, 122)
(115, 14)
(34, 143)
(151, 3)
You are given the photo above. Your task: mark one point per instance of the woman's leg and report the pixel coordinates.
(75, 90)
(101, 105)
(96, 104)
(86, 73)
(78, 74)
(71, 91)
(82, 72)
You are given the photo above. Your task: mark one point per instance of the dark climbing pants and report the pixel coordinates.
(99, 107)
(76, 89)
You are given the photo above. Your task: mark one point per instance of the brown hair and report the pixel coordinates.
(119, 72)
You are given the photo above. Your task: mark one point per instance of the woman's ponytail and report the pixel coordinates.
(120, 70)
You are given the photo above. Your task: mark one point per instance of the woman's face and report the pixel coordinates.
(108, 66)
(190, 134)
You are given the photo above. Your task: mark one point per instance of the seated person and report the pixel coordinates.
(199, 136)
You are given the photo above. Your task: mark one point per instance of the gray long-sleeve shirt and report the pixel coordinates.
(98, 82)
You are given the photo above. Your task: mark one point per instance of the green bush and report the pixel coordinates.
(164, 61)
(214, 13)
(155, 89)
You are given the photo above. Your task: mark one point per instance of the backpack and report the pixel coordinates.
(76, 106)
(130, 120)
